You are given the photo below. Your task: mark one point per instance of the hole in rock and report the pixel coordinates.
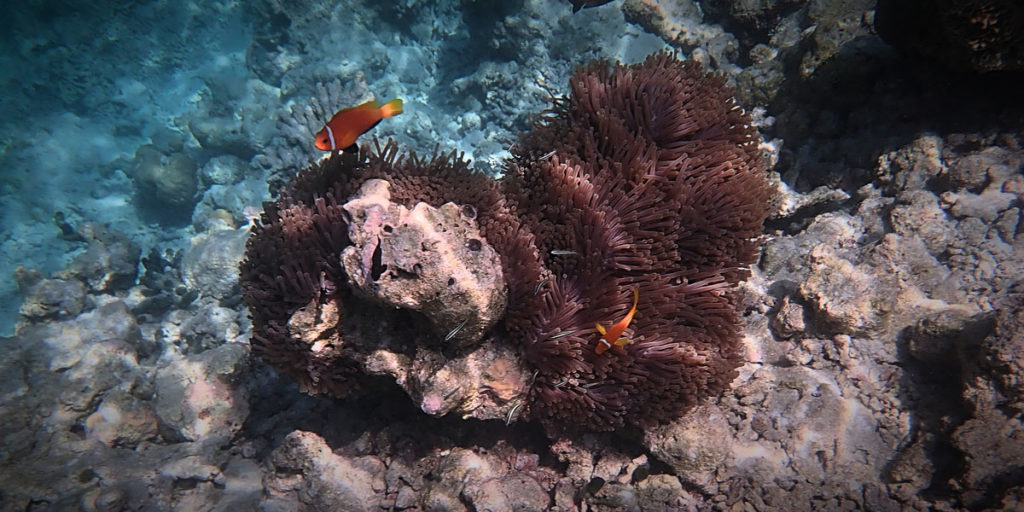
(377, 269)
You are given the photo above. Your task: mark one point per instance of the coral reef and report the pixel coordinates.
(881, 331)
(663, 193)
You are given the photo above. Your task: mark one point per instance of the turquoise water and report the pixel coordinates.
(85, 85)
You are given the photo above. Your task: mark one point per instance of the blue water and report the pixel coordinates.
(85, 84)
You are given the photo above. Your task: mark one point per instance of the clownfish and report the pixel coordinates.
(611, 336)
(348, 124)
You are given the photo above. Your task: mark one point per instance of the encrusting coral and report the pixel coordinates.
(647, 179)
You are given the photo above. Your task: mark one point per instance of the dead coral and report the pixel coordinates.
(645, 177)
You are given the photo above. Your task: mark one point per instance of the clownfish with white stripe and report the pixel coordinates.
(348, 124)
(612, 336)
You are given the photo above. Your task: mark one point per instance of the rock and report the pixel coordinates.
(54, 298)
(67, 342)
(105, 366)
(110, 263)
(243, 485)
(990, 439)
(430, 260)
(168, 180)
(308, 473)
(223, 170)
(850, 297)
(514, 492)
(910, 168)
(406, 498)
(203, 397)
(485, 383)
(1000, 352)
(210, 265)
(695, 446)
(973, 170)
(122, 420)
(659, 492)
(233, 199)
(791, 203)
(986, 206)
(836, 28)
(204, 326)
(433, 262)
(993, 448)
(937, 336)
(221, 134)
(789, 320)
(913, 467)
(917, 213)
(484, 481)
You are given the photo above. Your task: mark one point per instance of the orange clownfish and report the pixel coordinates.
(348, 124)
(612, 336)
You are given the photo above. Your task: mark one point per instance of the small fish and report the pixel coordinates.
(562, 252)
(611, 336)
(348, 124)
(453, 332)
(580, 4)
(540, 285)
(512, 412)
(561, 334)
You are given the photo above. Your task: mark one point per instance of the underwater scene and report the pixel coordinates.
(523, 255)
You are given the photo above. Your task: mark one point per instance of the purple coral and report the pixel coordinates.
(645, 177)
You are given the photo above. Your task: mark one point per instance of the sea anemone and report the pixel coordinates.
(645, 178)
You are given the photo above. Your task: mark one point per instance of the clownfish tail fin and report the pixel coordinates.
(391, 108)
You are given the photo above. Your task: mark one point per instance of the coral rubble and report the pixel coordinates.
(646, 177)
